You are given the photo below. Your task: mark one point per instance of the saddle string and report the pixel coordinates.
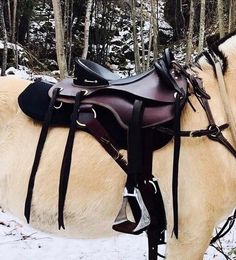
(38, 153)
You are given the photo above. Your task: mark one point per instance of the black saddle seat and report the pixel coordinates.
(89, 73)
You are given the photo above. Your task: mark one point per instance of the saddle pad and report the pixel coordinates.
(34, 102)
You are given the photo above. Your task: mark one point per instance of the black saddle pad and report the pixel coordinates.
(34, 102)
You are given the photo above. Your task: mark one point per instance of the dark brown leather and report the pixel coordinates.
(159, 99)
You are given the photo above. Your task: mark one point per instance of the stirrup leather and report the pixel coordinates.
(122, 224)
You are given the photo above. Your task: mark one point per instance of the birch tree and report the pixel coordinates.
(14, 21)
(9, 16)
(142, 35)
(232, 16)
(86, 28)
(70, 40)
(154, 11)
(220, 8)
(150, 42)
(202, 26)
(190, 31)
(135, 36)
(4, 33)
(61, 57)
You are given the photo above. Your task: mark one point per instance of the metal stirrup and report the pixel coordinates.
(122, 224)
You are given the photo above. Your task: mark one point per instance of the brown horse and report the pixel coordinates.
(207, 179)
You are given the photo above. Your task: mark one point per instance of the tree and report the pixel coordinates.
(220, 8)
(135, 36)
(86, 28)
(202, 26)
(70, 40)
(14, 21)
(154, 11)
(61, 57)
(190, 31)
(4, 33)
(232, 16)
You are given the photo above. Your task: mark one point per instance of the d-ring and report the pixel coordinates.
(217, 130)
(94, 116)
(59, 106)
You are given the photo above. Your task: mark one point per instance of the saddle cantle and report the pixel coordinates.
(120, 114)
(90, 73)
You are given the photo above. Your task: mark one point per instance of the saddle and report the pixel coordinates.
(119, 114)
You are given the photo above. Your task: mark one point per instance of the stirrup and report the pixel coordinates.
(122, 224)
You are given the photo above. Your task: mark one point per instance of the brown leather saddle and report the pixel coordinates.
(119, 113)
(118, 95)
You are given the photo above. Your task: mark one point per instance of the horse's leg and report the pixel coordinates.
(190, 246)
(196, 224)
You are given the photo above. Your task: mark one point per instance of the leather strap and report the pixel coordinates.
(38, 153)
(177, 143)
(66, 162)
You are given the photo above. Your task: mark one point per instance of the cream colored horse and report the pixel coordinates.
(207, 181)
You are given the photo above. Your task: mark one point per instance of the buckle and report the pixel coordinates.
(122, 224)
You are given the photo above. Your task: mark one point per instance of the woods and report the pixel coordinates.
(127, 35)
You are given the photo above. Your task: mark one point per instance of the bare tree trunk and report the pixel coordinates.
(9, 16)
(4, 33)
(136, 46)
(232, 16)
(70, 34)
(142, 36)
(220, 7)
(154, 11)
(14, 21)
(66, 24)
(150, 41)
(86, 29)
(61, 58)
(14, 32)
(202, 26)
(190, 32)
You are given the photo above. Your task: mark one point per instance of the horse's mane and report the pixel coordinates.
(214, 43)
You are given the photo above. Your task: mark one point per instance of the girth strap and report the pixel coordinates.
(66, 162)
(38, 153)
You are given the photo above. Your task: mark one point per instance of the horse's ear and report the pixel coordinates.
(212, 39)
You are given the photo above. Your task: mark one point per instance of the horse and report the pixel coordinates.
(207, 179)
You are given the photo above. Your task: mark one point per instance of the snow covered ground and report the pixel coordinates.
(21, 242)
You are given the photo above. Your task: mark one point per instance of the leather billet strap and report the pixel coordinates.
(38, 153)
(66, 162)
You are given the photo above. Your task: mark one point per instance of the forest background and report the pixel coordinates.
(123, 35)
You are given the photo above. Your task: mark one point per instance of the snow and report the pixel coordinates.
(21, 242)
(25, 73)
